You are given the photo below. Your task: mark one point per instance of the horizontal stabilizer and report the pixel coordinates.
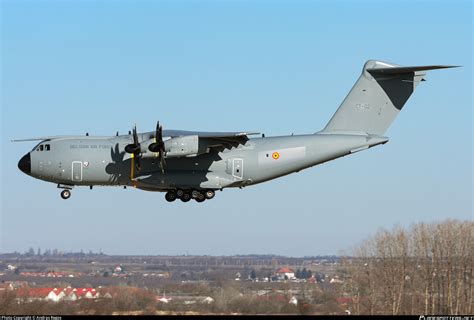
(401, 70)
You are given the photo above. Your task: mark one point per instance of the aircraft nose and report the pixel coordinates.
(25, 163)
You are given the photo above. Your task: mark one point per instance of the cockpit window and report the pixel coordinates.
(42, 147)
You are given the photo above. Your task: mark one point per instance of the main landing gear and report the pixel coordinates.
(187, 195)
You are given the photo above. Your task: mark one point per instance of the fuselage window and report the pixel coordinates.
(47, 147)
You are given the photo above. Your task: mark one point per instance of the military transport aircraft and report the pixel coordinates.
(193, 165)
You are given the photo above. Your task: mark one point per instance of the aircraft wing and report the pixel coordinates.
(47, 138)
(204, 134)
(214, 139)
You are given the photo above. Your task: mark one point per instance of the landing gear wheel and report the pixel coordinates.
(200, 198)
(195, 194)
(210, 194)
(65, 194)
(185, 197)
(179, 193)
(170, 196)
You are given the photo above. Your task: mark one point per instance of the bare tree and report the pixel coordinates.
(427, 269)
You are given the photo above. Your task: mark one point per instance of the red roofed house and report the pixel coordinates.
(33, 294)
(6, 286)
(163, 299)
(81, 293)
(60, 294)
(282, 272)
(274, 297)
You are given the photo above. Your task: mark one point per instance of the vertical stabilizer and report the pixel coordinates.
(377, 97)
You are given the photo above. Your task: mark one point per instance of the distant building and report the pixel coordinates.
(6, 286)
(336, 280)
(39, 294)
(50, 274)
(56, 294)
(74, 294)
(344, 301)
(207, 300)
(163, 299)
(285, 272)
(164, 275)
(294, 301)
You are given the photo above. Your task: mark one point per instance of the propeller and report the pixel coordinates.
(159, 146)
(134, 148)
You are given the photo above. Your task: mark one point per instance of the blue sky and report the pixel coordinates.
(278, 67)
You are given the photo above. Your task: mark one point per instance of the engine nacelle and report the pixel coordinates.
(186, 146)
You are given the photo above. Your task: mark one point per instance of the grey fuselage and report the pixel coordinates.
(88, 161)
(210, 161)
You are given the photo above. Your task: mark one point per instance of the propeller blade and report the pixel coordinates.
(135, 136)
(135, 149)
(157, 130)
(138, 165)
(162, 163)
(157, 145)
(135, 146)
(159, 133)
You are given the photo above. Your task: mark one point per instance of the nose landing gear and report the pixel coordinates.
(66, 194)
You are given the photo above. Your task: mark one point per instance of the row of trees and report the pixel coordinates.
(55, 252)
(303, 274)
(299, 274)
(427, 269)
